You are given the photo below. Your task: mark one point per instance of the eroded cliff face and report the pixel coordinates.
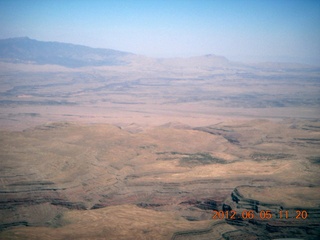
(65, 179)
(275, 211)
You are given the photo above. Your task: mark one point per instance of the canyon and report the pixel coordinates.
(113, 145)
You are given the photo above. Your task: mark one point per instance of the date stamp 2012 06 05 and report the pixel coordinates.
(263, 214)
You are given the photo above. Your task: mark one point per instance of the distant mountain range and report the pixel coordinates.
(26, 50)
(30, 51)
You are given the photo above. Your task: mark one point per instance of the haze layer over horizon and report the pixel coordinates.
(240, 30)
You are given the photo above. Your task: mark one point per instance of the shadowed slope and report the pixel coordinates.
(26, 50)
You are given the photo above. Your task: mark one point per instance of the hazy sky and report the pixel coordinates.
(171, 28)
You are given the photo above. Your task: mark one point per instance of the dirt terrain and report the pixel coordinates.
(197, 148)
(161, 182)
(151, 92)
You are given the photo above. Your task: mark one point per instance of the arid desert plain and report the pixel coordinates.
(185, 148)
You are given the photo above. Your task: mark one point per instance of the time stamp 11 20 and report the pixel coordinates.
(263, 214)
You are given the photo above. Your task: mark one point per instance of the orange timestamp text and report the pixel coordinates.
(263, 214)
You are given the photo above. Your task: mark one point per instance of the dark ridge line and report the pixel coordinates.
(31, 183)
(4, 226)
(31, 190)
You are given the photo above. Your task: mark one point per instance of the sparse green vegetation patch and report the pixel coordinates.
(269, 156)
(314, 159)
(151, 146)
(191, 159)
(200, 159)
